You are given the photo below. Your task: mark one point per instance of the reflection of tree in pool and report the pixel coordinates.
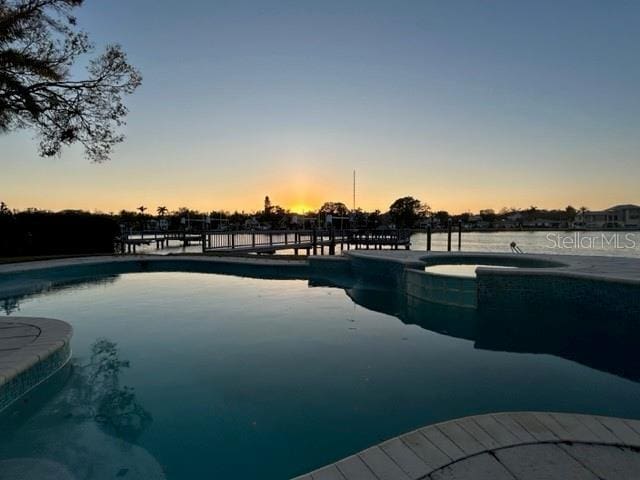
(96, 393)
(10, 305)
(83, 420)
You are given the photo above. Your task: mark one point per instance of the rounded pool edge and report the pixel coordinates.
(28, 365)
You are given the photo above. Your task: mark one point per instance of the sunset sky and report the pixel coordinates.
(464, 105)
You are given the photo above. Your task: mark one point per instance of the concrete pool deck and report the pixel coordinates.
(501, 446)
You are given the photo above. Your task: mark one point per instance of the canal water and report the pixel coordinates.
(622, 243)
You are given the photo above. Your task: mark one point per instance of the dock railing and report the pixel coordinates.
(312, 240)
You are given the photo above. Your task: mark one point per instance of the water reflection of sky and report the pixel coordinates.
(302, 376)
(460, 270)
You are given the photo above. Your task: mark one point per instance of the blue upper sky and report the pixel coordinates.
(465, 105)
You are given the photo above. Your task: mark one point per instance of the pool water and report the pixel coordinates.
(185, 375)
(459, 270)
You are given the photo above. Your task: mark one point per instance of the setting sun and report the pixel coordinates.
(301, 208)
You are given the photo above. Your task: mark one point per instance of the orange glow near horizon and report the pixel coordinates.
(300, 208)
(454, 203)
(117, 186)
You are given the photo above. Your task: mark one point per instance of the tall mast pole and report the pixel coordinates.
(354, 189)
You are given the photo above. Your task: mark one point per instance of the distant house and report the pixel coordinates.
(476, 222)
(618, 216)
(515, 218)
(537, 223)
(157, 224)
(251, 223)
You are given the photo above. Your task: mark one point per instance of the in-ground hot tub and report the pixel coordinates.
(464, 270)
(452, 280)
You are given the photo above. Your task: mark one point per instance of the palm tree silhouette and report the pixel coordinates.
(142, 208)
(582, 211)
(162, 211)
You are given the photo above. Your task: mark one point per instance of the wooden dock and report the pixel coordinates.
(501, 446)
(311, 241)
(130, 241)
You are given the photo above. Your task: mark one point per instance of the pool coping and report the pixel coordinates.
(107, 259)
(28, 365)
(440, 447)
(611, 269)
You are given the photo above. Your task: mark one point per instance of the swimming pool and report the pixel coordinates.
(190, 375)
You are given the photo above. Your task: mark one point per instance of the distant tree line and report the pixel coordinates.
(405, 212)
(33, 232)
(38, 232)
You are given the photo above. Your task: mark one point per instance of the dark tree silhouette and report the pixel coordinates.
(406, 211)
(39, 43)
(334, 208)
(442, 216)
